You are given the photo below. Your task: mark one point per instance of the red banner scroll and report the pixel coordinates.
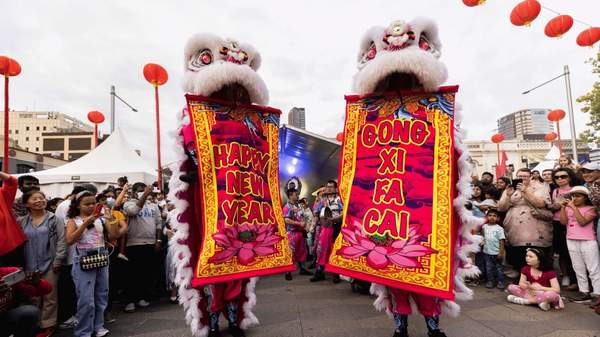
(397, 184)
(243, 233)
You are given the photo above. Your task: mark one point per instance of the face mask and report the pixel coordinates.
(110, 202)
(139, 195)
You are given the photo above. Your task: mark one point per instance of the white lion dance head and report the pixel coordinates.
(404, 56)
(224, 69)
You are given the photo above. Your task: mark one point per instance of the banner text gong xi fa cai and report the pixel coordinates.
(397, 183)
(243, 233)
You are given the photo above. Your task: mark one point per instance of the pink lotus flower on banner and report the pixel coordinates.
(382, 251)
(246, 242)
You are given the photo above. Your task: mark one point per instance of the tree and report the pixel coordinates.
(591, 105)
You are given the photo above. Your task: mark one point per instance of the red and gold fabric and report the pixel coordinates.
(397, 180)
(242, 230)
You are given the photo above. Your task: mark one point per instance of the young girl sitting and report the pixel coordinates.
(538, 283)
(578, 215)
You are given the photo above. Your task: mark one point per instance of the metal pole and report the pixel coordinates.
(571, 116)
(559, 139)
(112, 108)
(5, 162)
(158, 138)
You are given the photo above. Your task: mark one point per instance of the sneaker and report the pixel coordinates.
(500, 285)
(400, 333)
(102, 332)
(517, 300)
(142, 304)
(489, 284)
(122, 257)
(566, 281)
(235, 331)
(288, 276)
(109, 318)
(318, 277)
(544, 306)
(436, 333)
(336, 278)
(68, 324)
(581, 298)
(130, 307)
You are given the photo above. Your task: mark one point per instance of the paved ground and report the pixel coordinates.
(302, 309)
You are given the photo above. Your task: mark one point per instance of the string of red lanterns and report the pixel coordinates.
(95, 117)
(525, 12)
(555, 116)
(497, 139)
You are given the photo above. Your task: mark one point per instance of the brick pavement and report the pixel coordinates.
(302, 309)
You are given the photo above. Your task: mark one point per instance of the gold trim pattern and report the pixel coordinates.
(436, 268)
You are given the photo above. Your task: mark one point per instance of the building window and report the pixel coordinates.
(37, 128)
(17, 132)
(37, 149)
(54, 144)
(26, 139)
(80, 144)
(37, 138)
(26, 128)
(24, 168)
(44, 128)
(27, 149)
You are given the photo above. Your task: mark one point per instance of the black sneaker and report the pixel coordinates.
(399, 333)
(580, 297)
(318, 277)
(336, 278)
(235, 331)
(214, 333)
(288, 276)
(436, 333)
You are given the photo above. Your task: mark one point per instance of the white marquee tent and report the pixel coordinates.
(112, 159)
(549, 161)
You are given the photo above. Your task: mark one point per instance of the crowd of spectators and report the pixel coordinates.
(65, 261)
(541, 231)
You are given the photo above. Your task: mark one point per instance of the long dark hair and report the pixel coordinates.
(573, 180)
(544, 262)
(73, 208)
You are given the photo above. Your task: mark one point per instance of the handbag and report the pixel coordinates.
(94, 259)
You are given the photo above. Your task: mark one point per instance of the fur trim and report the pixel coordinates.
(428, 69)
(207, 79)
(250, 319)
(189, 297)
(382, 298)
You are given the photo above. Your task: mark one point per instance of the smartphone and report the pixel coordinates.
(516, 181)
(98, 209)
(14, 277)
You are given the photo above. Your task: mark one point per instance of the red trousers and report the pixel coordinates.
(427, 305)
(223, 293)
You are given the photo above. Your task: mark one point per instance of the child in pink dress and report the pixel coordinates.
(578, 215)
(538, 283)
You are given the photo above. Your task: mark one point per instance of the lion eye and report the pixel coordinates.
(370, 54)
(424, 43)
(203, 58)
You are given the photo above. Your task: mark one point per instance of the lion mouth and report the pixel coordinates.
(398, 82)
(235, 93)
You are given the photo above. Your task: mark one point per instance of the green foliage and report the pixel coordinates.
(591, 105)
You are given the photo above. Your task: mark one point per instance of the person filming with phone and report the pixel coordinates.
(528, 222)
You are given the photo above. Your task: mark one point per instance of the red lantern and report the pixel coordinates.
(95, 117)
(551, 136)
(155, 74)
(558, 26)
(9, 67)
(497, 138)
(473, 3)
(556, 115)
(525, 12)
(340, 137)
(589, 37)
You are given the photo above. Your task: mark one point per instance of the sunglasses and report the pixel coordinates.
(561, 176)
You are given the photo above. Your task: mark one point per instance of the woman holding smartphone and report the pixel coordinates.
(522, 229)
(86, 229)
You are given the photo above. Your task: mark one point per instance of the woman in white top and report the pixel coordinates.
(86, 230)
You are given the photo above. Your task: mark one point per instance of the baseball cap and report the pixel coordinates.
(592, 166)
(580, 190)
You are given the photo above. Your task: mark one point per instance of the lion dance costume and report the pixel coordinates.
(405, 57)
(224, 69)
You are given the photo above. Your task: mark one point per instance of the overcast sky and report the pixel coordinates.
(72, 51)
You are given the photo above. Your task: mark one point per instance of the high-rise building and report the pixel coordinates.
(26, 128)
(296, 118)
(525, 124)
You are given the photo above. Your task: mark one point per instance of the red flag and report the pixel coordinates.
(501, 169)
